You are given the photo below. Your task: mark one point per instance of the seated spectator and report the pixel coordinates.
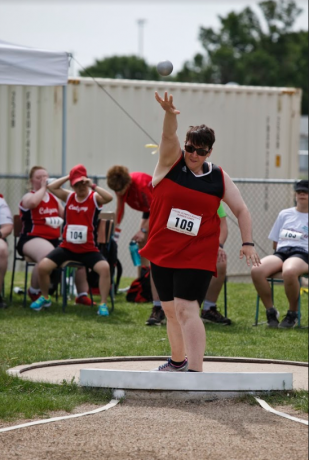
(135, 189)
(42, 217)
(79, 234)
(290, 242)
(210, 313)
(6, 227)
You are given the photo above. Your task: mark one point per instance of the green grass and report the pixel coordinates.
(26, 399)
(27, 337)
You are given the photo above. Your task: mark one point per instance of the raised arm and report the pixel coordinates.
(32, 200)
(169, 150)
(55, 188)
(101, 195)
(233, 199)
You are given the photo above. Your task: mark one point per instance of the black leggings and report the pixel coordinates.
(184, 283)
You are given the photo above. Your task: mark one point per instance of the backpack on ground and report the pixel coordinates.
(140, 289)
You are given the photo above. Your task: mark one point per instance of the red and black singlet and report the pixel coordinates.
(34, 223)
(200, 195)
(80, 229)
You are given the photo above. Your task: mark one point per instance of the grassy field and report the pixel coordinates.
(27, 337)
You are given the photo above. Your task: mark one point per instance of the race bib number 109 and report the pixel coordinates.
(77, 234)
(182, 221)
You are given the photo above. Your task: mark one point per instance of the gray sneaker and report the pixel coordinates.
(272, 317)
(289, 320)
(169, 367)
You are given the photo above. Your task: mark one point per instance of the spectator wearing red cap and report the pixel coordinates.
(42, 217)
(79, 234)
(290, 242)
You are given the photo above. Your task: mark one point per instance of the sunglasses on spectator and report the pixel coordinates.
(199, 152)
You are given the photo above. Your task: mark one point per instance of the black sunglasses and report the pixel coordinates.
(200, 152)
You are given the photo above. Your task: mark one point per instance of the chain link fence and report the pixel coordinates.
(264, 198)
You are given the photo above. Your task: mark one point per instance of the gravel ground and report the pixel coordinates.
(159, 430)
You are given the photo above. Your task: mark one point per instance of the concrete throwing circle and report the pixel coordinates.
(270, 375)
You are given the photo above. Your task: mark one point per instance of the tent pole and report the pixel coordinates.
(64, 131)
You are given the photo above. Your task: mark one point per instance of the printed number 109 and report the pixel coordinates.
(184, 224)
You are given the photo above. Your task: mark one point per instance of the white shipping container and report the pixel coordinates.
(110, 121)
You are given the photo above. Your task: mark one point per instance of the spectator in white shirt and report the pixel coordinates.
(290, 242)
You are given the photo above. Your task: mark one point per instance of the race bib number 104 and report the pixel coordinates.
(77, 234)
(182, 221)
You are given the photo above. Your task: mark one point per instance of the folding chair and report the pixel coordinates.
(225, 296)
(17, 227)
(64, 286)
(104, 234)
(104, 238)
(273, 279)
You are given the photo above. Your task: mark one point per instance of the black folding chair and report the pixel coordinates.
(105, 232)
(17, 226)
(276, 278)
(106, 243)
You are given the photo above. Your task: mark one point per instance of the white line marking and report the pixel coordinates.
(111, 404)
(281, 414)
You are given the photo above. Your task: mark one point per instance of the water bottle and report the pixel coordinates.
(136, 258)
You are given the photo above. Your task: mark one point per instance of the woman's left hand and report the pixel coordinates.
(251, 255)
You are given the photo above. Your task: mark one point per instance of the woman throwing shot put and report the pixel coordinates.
(184, 230)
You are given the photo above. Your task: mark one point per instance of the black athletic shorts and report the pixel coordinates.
(287, 252)
(61, 255)
(184, 283)
(24, 239)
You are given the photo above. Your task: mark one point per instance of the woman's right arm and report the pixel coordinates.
(32, 200)
(55, 188)
(169, 150)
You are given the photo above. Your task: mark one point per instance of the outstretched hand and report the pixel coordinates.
(167, 103)
(251, 256)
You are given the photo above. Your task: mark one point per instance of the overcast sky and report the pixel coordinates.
(96, 29)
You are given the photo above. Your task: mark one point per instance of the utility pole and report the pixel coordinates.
(140, 23)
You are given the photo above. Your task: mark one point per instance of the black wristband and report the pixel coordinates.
(248, 244)
(221, 246)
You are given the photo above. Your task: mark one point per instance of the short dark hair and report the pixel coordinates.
(201, 136)
(301, 186)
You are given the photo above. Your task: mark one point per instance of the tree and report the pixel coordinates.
(127, 67)
(245, 52)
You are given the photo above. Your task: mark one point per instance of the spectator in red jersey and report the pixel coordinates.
(42, 217)
(6, 227)
(82, 208)
(184, 231)
(135, 189)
